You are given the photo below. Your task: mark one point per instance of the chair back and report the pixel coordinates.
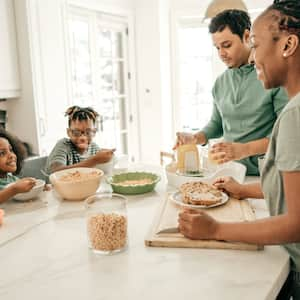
(35, 167)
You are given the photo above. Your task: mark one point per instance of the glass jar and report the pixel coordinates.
(212, 164)
(187, 158)
(106, 216)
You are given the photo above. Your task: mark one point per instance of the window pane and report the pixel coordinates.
(118, 78)
(106, 80)
(117, 50)
(105, 43)
(81, 62)
(196, 77)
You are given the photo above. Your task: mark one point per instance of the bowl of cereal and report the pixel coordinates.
(106, 223)
(77, 183)
(133, 183)
(34, 193)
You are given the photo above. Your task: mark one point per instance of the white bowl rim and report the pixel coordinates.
(55, 175)
(39, 183)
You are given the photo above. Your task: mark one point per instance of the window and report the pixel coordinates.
(197, 65)
(195, 77)
(99, 76)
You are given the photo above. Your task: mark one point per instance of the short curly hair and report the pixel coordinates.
(17, 147)
(236, 20)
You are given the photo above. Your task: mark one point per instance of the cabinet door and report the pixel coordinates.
(9, 76)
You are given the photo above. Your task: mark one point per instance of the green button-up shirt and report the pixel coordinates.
(243, 110)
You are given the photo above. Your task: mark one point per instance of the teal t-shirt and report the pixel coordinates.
(283, 155)
(4, 181)
(243, 110)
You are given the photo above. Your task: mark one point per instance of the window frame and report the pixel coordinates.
(190, 18)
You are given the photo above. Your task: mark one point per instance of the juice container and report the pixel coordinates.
(187, 158)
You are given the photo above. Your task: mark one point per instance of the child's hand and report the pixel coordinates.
(104, 155)
(24, 185)
(47, 187)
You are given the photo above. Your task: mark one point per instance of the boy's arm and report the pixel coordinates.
(101, 156)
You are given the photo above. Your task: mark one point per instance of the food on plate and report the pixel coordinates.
(79, 176)
(200, 193)
(136, 182)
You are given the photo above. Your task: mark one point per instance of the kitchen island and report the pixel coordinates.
(44, 255)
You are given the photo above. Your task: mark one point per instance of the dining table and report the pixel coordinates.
(44, 255)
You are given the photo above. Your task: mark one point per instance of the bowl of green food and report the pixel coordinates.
(133, 183)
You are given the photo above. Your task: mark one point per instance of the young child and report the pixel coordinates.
(78, 150)
(11, 157)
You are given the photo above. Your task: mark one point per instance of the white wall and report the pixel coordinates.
(153, 77)
(166, 69)
(201, 5)
(109, 4)
(148, 77)
(22, 114)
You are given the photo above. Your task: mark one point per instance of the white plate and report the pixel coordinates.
(176, 197)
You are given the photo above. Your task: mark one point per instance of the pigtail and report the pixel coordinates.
(81, 113)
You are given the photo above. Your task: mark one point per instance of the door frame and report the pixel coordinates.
(124, 15)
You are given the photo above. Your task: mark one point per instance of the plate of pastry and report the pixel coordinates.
(198, 194)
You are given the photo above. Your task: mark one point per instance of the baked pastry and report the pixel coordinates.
(200, 193)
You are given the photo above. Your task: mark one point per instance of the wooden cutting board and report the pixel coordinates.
(167, 215)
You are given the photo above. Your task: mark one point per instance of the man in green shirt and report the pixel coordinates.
(243, 111)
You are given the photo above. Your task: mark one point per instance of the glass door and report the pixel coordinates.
(99, 73)
(112, 72)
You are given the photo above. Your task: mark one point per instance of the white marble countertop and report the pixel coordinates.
(44, 255)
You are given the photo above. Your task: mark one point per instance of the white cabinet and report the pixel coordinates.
(9, 75)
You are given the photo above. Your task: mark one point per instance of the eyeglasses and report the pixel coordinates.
(79, 133)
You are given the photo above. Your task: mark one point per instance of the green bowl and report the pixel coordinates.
(133, 189)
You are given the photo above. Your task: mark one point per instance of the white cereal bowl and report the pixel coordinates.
(76, 189)
(233, 169)
(107, 167)
(33, 193)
